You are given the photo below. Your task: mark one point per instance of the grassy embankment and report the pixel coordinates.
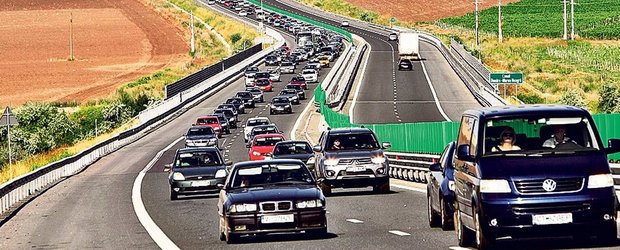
(142, 92)
(532, 44)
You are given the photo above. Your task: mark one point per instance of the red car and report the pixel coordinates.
(262, 145)
(264, 84)
(299, 80)
(211, 121)
(228, 3)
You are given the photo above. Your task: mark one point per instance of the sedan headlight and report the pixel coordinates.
(600, 181)
(256, 153)
(189, 142)
(240, 208)
(310, 204)
(331, 162)
(378, 159)
(494, 186)
(287, 106)
(231, 119)
(177, 176)
(220, 173)
(273, 106)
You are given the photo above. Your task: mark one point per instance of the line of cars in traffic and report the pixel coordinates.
(525, 172)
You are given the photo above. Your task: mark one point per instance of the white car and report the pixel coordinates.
(393, 37)
(274, 74)
(211, 2)
(243, 13)
(251, 123)
(249, 81)
(344, 24)
(310, 75)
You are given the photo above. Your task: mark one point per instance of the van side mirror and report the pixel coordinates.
(435, 167)
(613, 146)
(386, 145)
(220, 186)
(316, 148)
(462, 153)
(167, 167)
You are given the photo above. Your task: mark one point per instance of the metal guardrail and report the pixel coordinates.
(347, 90)
(16, 191)
(415, 167)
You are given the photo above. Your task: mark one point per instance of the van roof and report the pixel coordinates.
(536, 109)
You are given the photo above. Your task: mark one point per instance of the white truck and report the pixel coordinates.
(409, 45)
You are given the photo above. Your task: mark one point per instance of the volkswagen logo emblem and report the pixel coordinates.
(549, 185)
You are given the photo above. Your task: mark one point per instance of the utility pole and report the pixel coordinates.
(193, 39)
(71, 57)
(572, 20)
(565, 37)
(477, 38)
(8, 119)
(499, 20)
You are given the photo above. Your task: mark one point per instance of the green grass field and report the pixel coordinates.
(544, 18)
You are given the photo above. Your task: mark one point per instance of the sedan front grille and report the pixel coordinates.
(536, 186)
(276, 206)
(199, 178)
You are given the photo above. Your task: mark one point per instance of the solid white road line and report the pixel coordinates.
(298, 121)
(459, 248)
(355, 221)
(408, 188)
(147, 222)
(430, 85)
(399, 233)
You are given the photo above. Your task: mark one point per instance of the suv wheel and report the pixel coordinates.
(382, 188)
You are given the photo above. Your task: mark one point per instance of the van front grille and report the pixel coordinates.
(561, 185)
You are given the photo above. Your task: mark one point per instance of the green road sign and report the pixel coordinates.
(392, 19)
(506, 78)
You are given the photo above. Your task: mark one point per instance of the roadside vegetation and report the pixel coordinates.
(52, 131)
(556, 71)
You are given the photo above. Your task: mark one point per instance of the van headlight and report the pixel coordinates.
(177, 176)
(310, 204)
(220, 173)
(494, 186)
(600, 181)
(378, 159)
(240, 208)
(331, 162)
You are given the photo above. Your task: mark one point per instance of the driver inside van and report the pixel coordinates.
(558, 137)
(507, 140)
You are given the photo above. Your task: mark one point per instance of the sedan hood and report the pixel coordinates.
(262, 149)
(274, 193)
(302, 157)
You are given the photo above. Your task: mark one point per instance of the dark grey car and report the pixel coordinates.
(300, 150)
(196, 171)
(201, 136)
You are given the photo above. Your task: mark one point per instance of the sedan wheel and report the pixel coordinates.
(173, 195)
(446, 224)
(433, 219)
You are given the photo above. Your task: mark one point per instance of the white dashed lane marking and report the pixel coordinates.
(355, 221)
(399, 233)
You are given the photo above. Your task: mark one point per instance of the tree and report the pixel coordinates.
(573, 98)
(609, 98)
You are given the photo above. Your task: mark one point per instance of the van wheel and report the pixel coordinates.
(446, 221)
(482, 239)
(463, 234)
(433, 219)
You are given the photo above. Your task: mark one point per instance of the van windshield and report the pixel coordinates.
(538, 136)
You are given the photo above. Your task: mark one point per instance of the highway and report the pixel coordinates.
(94, 209)
(391, 96)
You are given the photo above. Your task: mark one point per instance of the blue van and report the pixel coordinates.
(530, 171)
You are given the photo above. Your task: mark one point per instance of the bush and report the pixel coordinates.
(609, 98)
(234, 38)
(573, 98)
(530, 98)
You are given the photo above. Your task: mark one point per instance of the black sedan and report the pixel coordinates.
(300, 150)
(201, 136)
(196, 171)
(238, 102)
(405, 64)
(230, 115)
(440, 190)
(247, 97)
(299, 89)
(272, 196)
(280, 104)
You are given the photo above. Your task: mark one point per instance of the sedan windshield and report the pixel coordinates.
(200, 131)
(253, 123)
(270, 174)
(198, 159)
(267, 141)
(292, 148)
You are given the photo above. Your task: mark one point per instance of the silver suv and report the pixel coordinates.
(351, 157)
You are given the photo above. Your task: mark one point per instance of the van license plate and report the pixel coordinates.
(552, 219)
(284, 218)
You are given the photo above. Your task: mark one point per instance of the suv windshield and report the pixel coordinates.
(352, 142)
(276, 174)
(538, 135)
(198, 159)
(292, 148)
